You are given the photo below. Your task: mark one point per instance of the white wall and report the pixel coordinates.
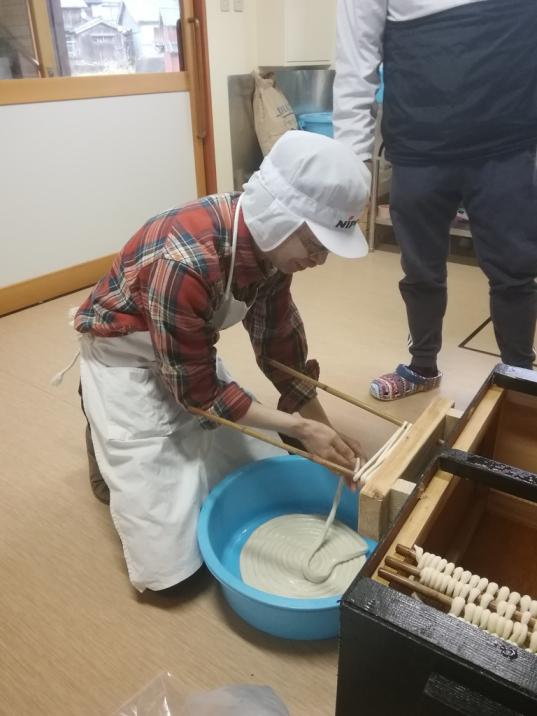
(78, 178)
(232, 51)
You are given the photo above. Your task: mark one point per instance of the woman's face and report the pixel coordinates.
(299, 251)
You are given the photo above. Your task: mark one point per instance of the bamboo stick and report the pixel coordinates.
(334, 467)
(405, 552)
(334, 391)
(402, 566)
(426, 592)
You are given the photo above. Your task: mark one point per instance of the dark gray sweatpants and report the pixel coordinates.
(500, 196)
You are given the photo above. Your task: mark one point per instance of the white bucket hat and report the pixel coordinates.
(313, 179)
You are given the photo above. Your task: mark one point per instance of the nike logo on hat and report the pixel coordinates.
(349, 223)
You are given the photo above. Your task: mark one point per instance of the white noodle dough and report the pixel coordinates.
(274, 555)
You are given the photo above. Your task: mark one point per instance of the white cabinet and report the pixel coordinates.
(295, 32)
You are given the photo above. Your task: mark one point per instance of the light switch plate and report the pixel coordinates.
(224, 5)
(238, 5)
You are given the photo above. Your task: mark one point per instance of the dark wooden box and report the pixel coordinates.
(402, 656)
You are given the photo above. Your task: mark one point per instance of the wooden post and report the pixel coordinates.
(408, 459)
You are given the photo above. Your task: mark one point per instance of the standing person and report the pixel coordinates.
(459, 126)
(149, 330)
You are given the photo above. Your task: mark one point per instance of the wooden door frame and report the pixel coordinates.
(194, 30)
(209, 155)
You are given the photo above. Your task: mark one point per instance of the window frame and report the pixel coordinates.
(50, 87)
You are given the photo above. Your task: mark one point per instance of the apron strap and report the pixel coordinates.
(57, 379)
(233, 247)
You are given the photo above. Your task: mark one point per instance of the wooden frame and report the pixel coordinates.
(54, 89)
(456, 511)
(478, 512)
(209, 154)
(476, 435)
(189, 29)
(50, 87)
(42, 36)
(476, 432)
(386, 491)
(440, 425)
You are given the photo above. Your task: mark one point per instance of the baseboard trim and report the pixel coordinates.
(51, 285)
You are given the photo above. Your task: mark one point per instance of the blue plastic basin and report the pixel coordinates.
(237, 506)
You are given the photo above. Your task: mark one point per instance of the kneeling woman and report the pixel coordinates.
(148, 346)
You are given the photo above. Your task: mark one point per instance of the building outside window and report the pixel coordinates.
(91, 37)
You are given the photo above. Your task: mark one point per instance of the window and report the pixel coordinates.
(126, 30)
(87, 37)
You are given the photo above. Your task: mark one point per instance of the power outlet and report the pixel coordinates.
(224, 5)
(238, 5)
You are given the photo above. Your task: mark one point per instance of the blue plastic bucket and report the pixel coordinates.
(242, 502)
(318, 122)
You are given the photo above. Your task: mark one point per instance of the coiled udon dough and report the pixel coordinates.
(274, 555)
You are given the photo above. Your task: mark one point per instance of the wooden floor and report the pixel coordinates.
(75, 639)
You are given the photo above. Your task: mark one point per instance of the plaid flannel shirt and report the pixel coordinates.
(169, 280)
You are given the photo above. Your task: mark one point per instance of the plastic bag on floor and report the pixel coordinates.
(164, 697)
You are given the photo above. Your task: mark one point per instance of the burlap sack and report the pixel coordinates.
(273, 115)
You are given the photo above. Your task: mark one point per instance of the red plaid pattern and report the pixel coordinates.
(170, 278)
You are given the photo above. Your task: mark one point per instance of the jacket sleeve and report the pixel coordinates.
(276, 331)
(360, 31)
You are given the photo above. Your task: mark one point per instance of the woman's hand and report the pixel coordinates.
(313, 410)
(318, 438)
(323, 441)
(356, 447)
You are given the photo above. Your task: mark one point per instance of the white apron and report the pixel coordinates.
(156, 459)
